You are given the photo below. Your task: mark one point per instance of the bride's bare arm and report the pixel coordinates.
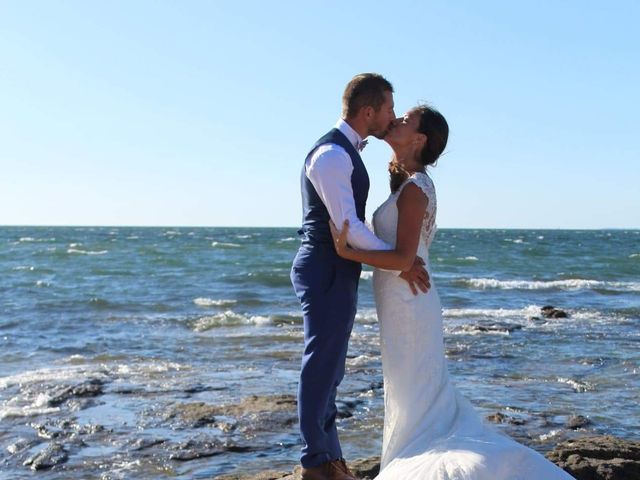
(412, 205)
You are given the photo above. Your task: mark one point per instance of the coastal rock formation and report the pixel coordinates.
(549, 311)
(598, 458)
(587, 458)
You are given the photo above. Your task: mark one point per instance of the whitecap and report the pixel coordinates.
(24, 267)
(32, 239)
(75, 245)
(228, 318)
(569, 284)
(470, 258)
(225, 245)
(576, 385)
(26, 411)
(366, 275)
(210, 302)
(360, 360)
(551, 434)
(531, 310)
(634, 255)
(242, 237)
(287, 239)
(87, 252)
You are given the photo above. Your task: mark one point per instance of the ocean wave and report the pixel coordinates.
(366, 275)
(577, 385)
(24, 267)
(529, 311)
(225, 245)
(569, 284)
(228, 318)
(634, 255)
(287, 239)
(210, 302)
(87, 252)
(26, 411)
(470, 258)
(32, 239)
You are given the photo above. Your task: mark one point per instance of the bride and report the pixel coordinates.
(430, 431)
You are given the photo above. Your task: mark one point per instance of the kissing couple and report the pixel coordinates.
(430, 431)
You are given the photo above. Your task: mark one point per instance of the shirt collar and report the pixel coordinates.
(349, 132)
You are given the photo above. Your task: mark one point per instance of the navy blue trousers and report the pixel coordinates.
(327, 287)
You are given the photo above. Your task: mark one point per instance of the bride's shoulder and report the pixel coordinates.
(423, 180)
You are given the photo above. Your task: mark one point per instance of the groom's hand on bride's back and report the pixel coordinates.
(417, 277)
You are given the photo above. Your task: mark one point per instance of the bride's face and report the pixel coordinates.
(405, 130)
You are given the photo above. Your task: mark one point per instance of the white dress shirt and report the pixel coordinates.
(329, 169)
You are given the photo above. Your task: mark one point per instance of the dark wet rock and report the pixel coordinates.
(195, 448)
(499, 417)
(505, 328)
(598, 458)
(346, 407)
(364, 468)
(549, 311)
(252, 414)
(270, 475)
(193, 415)
(144, 443)
(90, 388)
(47, 432)
(577, 421)
(52, 455)
(255, 403)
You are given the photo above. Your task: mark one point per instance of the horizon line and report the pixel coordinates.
(292, 227)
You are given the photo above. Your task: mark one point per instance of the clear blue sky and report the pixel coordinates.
(200, 113)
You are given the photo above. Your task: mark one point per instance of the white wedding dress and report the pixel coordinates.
(430, 431)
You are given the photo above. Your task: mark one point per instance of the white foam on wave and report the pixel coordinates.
(634, 255)
(360, 360)
(529, 311)
(210, 302)
(470, 258)
(242, 237)
(32, 239)
(288, 239)
(26, 411)
(225, 245)
(228, 318)
(577, 385)
(87, 252)
(366, 275)
(24, 267)
(569, 284)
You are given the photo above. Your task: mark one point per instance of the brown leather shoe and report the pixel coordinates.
(345, 469)
(334, 470)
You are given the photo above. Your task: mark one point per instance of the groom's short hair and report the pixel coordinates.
(364, 90)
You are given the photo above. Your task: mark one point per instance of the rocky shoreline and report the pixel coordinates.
(588, 458)
(218, 430)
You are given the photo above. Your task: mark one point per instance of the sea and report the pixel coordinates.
(152, 353)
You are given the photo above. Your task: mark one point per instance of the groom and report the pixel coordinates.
(335, 186)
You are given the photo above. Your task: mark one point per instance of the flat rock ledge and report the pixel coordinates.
(598, 458)
(586, 458)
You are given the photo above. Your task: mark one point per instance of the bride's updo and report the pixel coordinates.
(435, 127)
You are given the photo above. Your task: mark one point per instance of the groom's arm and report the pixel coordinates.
(329, 169)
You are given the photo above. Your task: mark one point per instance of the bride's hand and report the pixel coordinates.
(340, 237)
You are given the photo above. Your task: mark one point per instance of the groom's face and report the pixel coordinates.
(383, 120)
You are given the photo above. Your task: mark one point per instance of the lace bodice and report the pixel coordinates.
(385, 218)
